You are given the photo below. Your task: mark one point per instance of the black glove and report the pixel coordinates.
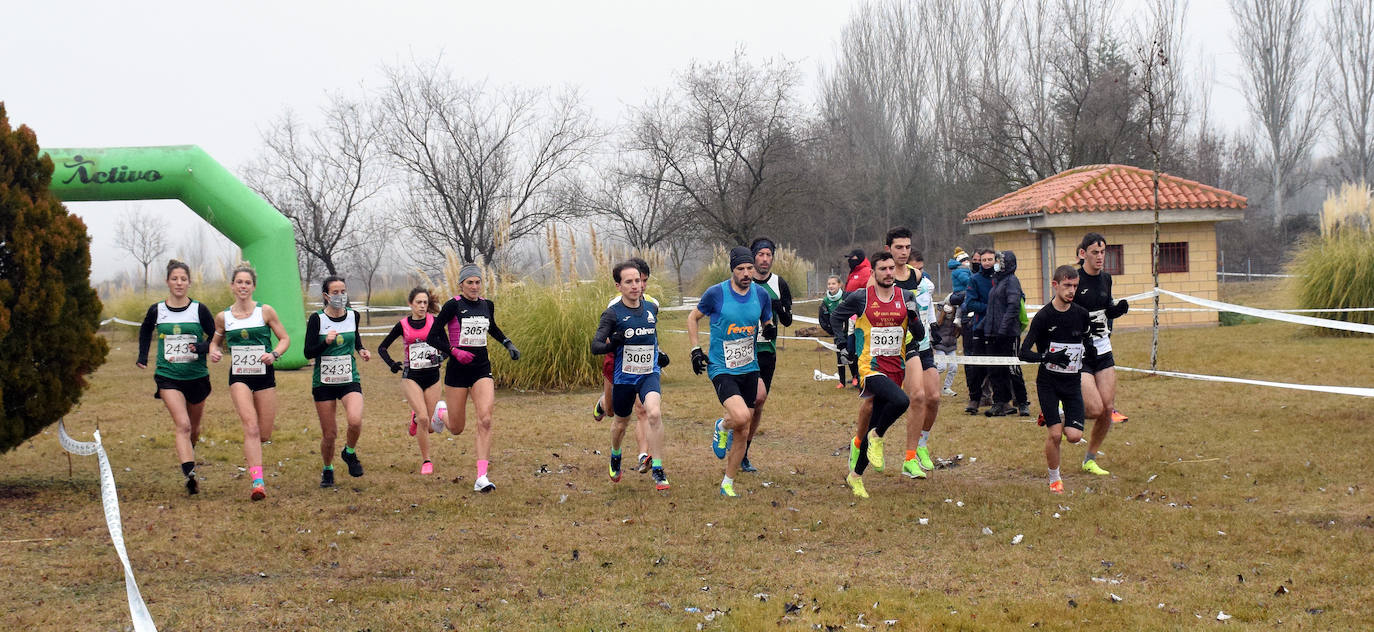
(934, 337)
(770, 331)
(395, 367)
(663, 360)
(618, 337)
(842, 348)
(1121, 307)
(698, 360)
(1097, 328)
(201, 348)
(510, 347)
(779, 310)
(1060, 357)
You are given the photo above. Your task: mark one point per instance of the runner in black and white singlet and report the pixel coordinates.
(183, 329)
(246, 328)
(462, 328)
(419, 369)
(1058, 339)
(628, 332)
(1099, 376)
(780, 299)
(331, 339)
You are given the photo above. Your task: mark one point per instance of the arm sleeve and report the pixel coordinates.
(766, 312)
(145, 334)
(438, 332)
(313, 344)
(1089, 349)
(493, 330)
(603, 331)
(852, 304)
(1112, 311)
(391, 337)
(824, 317)
(915, 326)
(783, 312)
(207, 322)
(357, 335)
(1034, 333)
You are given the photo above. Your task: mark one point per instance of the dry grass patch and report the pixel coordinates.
(1220, 494)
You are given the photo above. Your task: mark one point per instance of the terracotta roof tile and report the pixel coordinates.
(1097, 188)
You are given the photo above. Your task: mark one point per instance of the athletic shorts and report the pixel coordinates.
(608, 367)
(927, 359)
(897, 378)
(331, 392)
(746, 386)
(623, 395)
(257, 383)
(1055, 389)
(459, 375)
(768, 362)
(1104, 361)
(195, 390)
(424, 377)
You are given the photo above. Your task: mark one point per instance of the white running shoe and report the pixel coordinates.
(440, 418)
(483, 485)
(949, 392)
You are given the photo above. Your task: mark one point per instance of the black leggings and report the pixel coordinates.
(889, 402)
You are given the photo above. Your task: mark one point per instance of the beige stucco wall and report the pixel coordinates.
(1200, 280)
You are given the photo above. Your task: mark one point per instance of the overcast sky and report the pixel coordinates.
(88, 74)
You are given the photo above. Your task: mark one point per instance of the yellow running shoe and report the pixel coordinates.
(728, 490)
(913, 469)
(1091, 467)
(923, 455)
(875, 451)
(856, 483)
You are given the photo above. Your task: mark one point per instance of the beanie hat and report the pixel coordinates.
(740, 255)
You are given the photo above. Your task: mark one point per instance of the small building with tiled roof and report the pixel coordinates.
(1044, 222)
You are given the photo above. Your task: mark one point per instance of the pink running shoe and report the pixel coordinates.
(413, 426)
(427, 468)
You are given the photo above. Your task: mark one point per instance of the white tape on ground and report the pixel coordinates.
(143, 621)
(1340, 390)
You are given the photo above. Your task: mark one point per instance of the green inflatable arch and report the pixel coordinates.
(188, 174)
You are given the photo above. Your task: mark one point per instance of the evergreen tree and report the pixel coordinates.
(49, 312)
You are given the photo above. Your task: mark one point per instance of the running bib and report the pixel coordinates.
(639, 359)
(887, 341)
(1102, 343)
(422, 355)
(1075, 351)
(474, 332)
(336, 369)
(179, 348)
(738, 352)
(247, 360)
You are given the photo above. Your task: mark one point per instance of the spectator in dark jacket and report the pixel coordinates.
(975, 306)
(1001, 327)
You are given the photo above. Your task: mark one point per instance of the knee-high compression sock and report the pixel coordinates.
(482, 468)
(255, 473)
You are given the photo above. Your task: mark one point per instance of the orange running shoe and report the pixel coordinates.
(1118, 418)
(1057, 487)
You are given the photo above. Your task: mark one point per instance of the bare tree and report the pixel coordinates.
(636, 198)
(725, 140)
(1349, 85)
(487, 164)
(143, 236)
(321, 178)
(369, 245)
(1272, 39)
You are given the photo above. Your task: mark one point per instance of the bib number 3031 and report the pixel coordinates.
(247, 360)
(336, 369)
(887, 341)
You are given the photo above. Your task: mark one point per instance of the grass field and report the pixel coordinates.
(1219, 496)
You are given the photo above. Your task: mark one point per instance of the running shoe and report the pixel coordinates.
(948, 392)
(746, 466)
(259, 492)
(413, 425)
(327, 478)
(875, 451)
(854, 382)
(483, 485)
(427, 468)
(722, 440)
(1057, 487)
(1023, 409)
(615, 468)
(923, 455)
(660, 480)
(971, 409)
(728, 490)
(436, 424)
(1118, 418)
(1000, 410)
(840, 385)
(355, 467)
(853, 456)
(856, 484)
(912, 469)
(645, 462)
(1091, 467)
(598, 413)
(192, 485)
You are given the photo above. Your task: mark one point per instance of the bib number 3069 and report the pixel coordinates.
(637, 359)
(247, 360)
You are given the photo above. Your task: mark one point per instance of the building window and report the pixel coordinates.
(1112, 263)
(1173, 257)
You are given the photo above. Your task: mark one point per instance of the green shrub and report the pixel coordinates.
(132, 304)
(1337, 269)
(552, 325)
(1231, 319)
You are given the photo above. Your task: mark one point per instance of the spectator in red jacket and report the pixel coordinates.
(859, 271)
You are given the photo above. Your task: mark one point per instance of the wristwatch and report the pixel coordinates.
(276, 355)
